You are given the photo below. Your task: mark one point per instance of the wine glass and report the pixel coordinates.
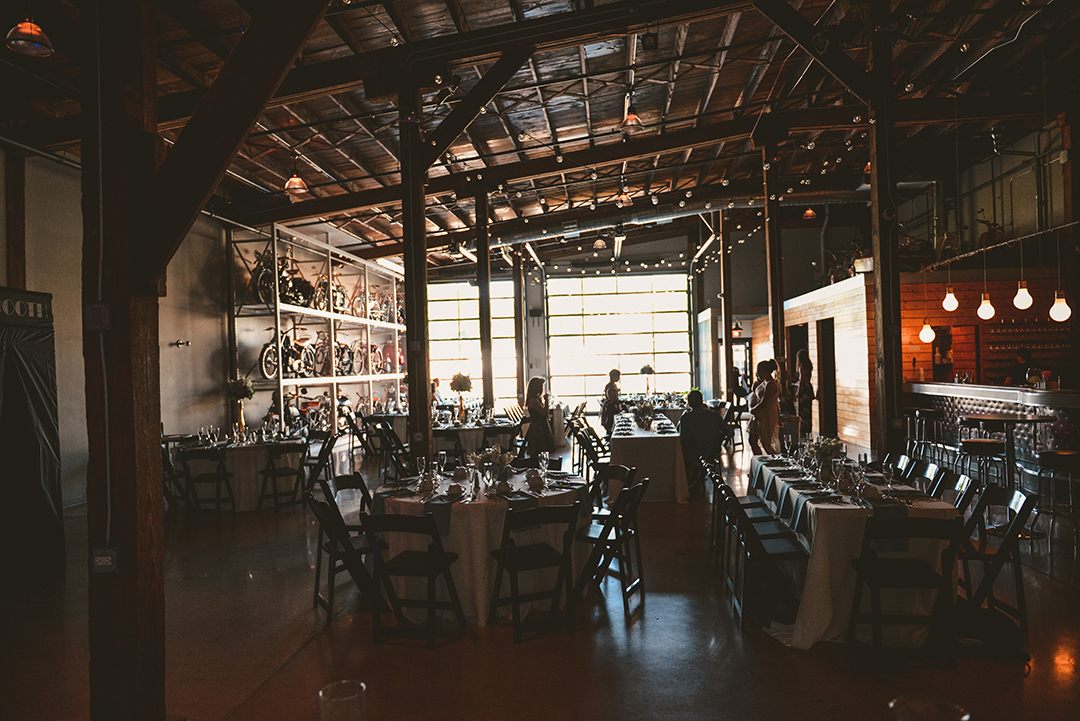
(887, 471)
(543, 463)
(441, 462)
(421, 464)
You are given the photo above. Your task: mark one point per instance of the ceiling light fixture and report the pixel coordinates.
(809, 214)
(27, 38)
(295, 186)
(599, 244)
(926, 335)
(1060, 311)
(631, 124)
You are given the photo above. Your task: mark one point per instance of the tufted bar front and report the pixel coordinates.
(960, 399)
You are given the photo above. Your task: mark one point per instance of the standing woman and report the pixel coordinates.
(539, 436)
(804, 391)
(610, 405)
(764, 427)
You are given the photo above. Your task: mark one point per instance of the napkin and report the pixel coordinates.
(439, 507)
(802, 518)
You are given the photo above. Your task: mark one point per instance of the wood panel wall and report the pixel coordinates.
(965, 324)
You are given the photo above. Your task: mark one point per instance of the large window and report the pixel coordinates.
(624, 322)
(454, 334)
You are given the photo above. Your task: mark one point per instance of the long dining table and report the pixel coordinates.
(657, 454)
(831, 530)
(472, 528)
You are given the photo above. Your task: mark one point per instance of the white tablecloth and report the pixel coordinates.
(833, 537)
(658, 457)
(472, 437)
(475, 531)
(245, 463)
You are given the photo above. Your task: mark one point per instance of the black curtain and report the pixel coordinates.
(31, 505)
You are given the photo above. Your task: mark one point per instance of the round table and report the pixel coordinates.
(475, 531)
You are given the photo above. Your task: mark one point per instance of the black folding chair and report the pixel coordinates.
(515, 558)
(344, 552)
(218, 478)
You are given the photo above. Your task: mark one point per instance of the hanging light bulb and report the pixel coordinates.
(631, 124)
(986, 309)
(950, 303)
(624, 200)
(1060, 311)
(809, 214)
(927, 335)
(27, 38)
(1022, 299)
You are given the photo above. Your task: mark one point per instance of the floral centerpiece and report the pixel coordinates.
(644, 411)
(459, 384)
(239, 390)
(495, 455)
(824, 449)
(647, 371)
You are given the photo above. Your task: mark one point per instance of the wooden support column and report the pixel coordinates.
(521, 357)
(15, 219)
(1070, 237)
(774, 254)
(120, 351)
(885, 232)
(413, 177)
(483, 282)
(727, 305)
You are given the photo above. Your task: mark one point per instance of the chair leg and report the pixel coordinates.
(515, 605)
(331, 582)
(318, 566)
(493, 614)
(451, 589)
(856, 605)
(875, 611)
(1021, 603)
(431, 611)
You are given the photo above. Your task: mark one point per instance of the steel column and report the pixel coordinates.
(774, 254)
(519, 325)
(727, 305)
(483, 282)
(886, 239)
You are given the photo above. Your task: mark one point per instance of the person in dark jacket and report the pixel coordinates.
(700, 431)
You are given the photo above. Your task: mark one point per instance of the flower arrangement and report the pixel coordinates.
(643, 414)
(825, 449)
(460, 383)
(239, 389)
(646, 370)
(494, 455)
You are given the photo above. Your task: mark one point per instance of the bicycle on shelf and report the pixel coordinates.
(330, 295)
(299, 357)
(293, 287)
(343, 357)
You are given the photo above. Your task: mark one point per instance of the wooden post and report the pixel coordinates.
(727, 306)
(886, 239)
(519, 325)
(15, 219)
(413, 177)
(774, 252)
(1069, 239)
(483, 282)
(120, 351)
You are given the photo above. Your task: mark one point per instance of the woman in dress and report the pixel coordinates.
(804, 391)
(539, 436)
(610, 406)
(764, 427)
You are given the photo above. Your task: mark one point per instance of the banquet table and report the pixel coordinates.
(471, 437)
(832, 532)
(657, 455)
(672, 414)
(245, 462)
(474, 531)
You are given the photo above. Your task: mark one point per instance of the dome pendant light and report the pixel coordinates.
(631, 124)
(1022, 300)
(950, 303)
(27, 38)
(1060, 311)
(927, 335)
(986, 309)
(295, 186)
(809, 214)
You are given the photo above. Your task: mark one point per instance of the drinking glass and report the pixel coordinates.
(441, 461)
(343, 701)
(421, 464)
(887, 471)
(543, 463)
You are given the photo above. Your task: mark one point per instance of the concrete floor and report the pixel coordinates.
(244, 643)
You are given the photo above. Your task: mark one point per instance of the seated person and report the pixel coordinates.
(701, 431)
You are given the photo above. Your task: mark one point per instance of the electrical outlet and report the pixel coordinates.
(105, 559)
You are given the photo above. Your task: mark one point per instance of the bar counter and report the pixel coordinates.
(959, 399)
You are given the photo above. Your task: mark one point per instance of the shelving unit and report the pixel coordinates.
(337, 312)
(1050, 345)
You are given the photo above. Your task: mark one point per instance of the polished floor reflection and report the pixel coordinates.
(245, 643)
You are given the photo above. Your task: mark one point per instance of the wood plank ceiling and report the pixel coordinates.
(700, 82)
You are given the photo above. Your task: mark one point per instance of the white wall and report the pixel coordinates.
(195, 309)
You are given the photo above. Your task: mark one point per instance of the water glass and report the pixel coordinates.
(887, 471)
(543, 463)
(343, 701)
(441, 462)
(421, 464)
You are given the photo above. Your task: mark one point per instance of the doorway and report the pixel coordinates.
(798, 339)
(826, 378)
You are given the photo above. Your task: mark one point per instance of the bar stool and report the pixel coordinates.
(928, 437)
(986, 454)
(965, 429)
(911, 426)
(1055, 467)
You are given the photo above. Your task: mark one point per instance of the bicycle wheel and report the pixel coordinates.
(358, 306)
(359, 358)
(375, 360)
(344, 360)
(322, 359)
(268, 361)
(319, 299)
(307, 362)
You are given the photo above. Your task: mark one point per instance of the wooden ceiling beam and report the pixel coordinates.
(193, 168)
